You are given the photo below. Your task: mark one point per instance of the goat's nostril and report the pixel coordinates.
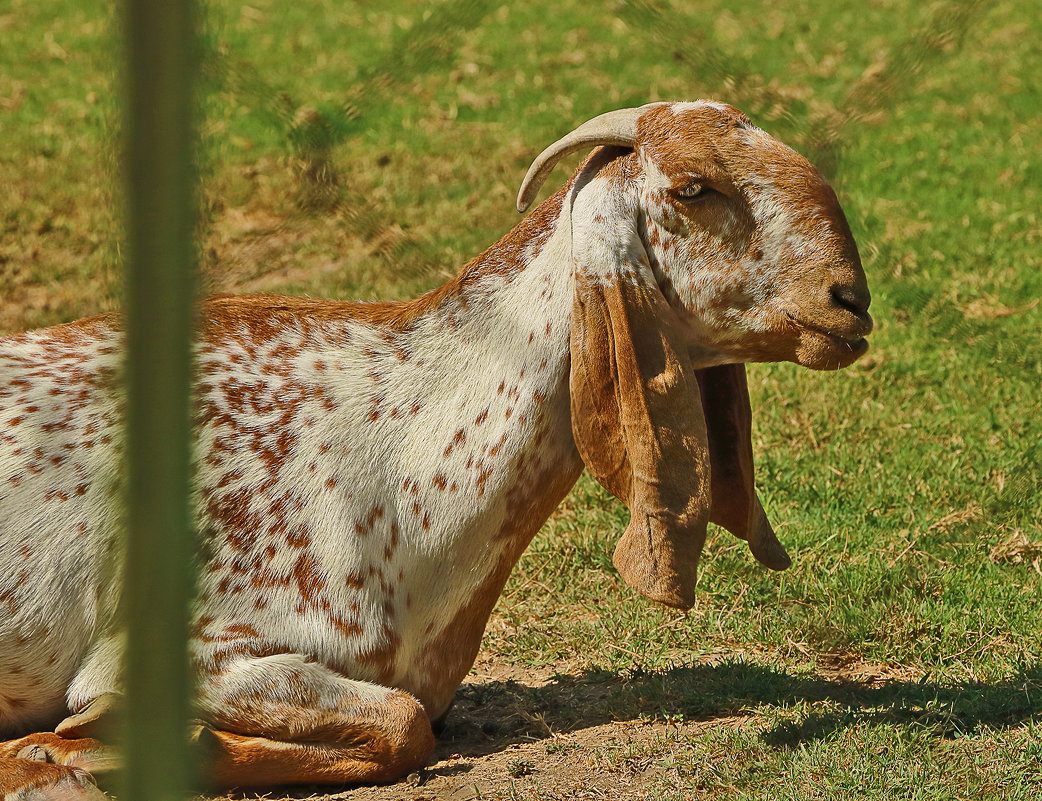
(851, 298)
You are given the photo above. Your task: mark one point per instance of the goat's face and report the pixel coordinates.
(696, 241)
(750, 239)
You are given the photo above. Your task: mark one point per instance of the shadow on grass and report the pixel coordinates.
(488, 717)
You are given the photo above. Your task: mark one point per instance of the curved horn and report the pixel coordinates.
(612, 128)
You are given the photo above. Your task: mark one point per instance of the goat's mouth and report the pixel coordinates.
(853, 344)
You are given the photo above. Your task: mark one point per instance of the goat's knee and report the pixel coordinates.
(393, 742)
(284, 720)
(407, 738)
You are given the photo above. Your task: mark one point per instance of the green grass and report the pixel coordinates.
(370, 149)
(874, 760)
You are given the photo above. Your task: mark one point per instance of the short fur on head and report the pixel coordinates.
(709, 244)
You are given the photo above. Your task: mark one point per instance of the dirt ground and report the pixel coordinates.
(503, 731)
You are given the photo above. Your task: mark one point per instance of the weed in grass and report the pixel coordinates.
(520, 767)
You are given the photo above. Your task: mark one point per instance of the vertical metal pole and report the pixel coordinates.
(160, 68)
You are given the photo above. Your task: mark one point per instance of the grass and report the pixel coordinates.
(368, 150)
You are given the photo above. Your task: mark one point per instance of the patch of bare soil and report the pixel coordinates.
(845, 668)
(257, 251)
(27, 302)
(566, 767)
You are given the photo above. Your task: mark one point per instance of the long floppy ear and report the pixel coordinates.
(637, 422)
(636, 411)
(728, 417)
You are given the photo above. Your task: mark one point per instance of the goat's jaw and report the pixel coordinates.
(779, 333)
(784, 334)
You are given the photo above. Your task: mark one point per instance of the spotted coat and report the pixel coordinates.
(367, 474)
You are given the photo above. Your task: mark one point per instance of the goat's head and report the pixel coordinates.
(699, 243)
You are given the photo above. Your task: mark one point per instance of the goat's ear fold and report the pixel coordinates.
(735, 506)
(637, 422)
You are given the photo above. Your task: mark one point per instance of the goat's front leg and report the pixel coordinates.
(284, 720)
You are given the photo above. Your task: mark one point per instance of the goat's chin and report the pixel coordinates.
(820, 351)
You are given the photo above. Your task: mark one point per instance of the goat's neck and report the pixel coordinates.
(476, 395)
(492, 358)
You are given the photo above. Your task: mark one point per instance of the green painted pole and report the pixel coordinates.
(160, 69)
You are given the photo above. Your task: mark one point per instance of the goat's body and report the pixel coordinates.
(368, 507)
(365, 476)
(357, 503)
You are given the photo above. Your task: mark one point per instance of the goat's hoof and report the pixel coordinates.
(34, 753)
(93, 720)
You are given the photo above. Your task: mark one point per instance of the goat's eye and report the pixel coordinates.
(691, 191)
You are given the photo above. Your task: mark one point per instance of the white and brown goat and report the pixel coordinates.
(367, 474)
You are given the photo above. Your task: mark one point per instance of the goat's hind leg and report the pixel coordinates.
(27, 780)
(283, 720)
(57, 766)
(47, 767)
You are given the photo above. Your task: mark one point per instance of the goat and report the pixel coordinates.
(366, 475)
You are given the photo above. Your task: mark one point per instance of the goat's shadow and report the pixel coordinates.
(490, 717)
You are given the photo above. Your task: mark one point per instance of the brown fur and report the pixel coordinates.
(29, 780)
(640, 431)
